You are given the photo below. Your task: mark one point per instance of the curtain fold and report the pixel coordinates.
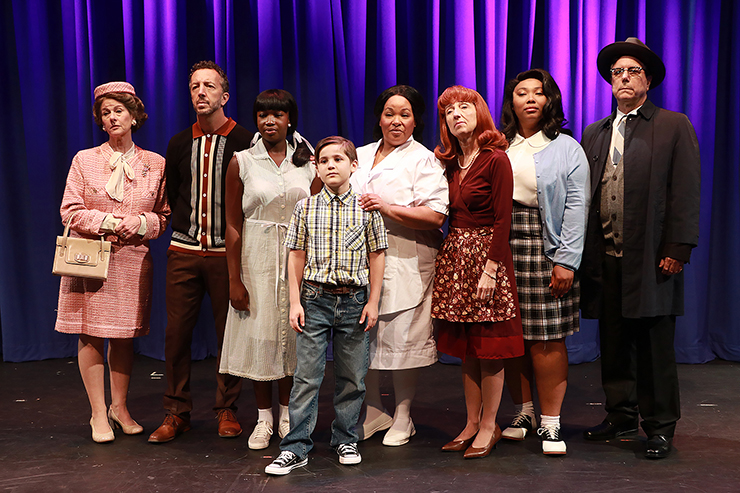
(336, 56)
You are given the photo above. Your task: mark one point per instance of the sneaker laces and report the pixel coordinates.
(262, 431)
(284, 458)
(550, 432)
(520, 420)
(348, 449)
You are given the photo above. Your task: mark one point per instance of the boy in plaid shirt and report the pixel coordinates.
(336, 249)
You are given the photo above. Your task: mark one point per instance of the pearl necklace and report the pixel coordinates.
(470, 160)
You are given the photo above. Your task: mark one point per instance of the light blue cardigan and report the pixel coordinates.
(563, 194)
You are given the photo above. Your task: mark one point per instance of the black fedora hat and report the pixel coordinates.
(634, 48)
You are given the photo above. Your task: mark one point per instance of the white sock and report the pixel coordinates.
(553, 421)
(265, 415)
(525, 407)
(283, 412)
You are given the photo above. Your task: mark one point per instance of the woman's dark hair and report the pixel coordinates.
(417, 108)
(281, 100)
(553, 117)
(132, 103)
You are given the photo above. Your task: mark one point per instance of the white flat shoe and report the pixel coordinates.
(395, 438)
(382, 422)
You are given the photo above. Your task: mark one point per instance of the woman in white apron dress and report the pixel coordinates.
(404, 181)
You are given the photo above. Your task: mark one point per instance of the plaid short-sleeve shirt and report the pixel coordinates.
(336, 235)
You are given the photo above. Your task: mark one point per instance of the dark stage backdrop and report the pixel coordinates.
(336, 56)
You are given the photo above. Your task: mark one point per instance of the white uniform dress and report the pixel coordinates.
(259, 344)
(409, 176)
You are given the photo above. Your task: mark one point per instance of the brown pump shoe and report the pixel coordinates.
(228, 426)
(458, 445)
(478, 453)
(169, 429)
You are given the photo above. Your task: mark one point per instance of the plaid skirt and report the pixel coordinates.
(544, 317)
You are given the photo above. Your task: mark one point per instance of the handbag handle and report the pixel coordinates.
(66, 235)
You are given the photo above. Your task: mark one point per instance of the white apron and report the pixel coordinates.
(408, 176)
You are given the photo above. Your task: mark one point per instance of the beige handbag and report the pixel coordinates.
(81, 257)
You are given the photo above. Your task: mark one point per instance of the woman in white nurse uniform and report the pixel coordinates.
(403, 180)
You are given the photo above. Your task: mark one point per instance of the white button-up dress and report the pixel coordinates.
(259, 344)
(409, 176)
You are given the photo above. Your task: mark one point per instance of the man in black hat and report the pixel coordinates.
(643, 223)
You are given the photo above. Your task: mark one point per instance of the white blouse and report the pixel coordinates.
(410, 176)
(521, 154)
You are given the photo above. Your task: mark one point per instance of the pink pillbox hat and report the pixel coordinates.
(113, 87)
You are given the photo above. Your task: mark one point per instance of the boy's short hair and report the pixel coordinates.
(347, 147)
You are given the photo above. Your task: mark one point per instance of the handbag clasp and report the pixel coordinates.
(82, 258)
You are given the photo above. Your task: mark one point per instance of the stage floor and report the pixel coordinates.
(45, 443)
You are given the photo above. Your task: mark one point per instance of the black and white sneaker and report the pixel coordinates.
(348, 454)
(521, 425)
(551, 442)
(285, 462)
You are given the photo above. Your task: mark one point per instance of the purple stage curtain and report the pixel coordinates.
(336, 56)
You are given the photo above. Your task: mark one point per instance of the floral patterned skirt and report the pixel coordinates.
(459, 266)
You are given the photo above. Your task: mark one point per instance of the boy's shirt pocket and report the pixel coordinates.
(354, 237)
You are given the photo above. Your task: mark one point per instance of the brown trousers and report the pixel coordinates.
(189, 277)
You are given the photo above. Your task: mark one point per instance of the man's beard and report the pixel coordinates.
(209, 110)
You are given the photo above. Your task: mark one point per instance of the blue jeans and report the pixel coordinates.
(325, 312)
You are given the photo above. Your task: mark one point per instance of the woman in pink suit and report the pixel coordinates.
(116, 190)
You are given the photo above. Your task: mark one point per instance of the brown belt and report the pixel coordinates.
(333, 288)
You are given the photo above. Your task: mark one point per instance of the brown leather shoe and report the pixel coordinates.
(477, 453)
(169, 429)
(228, 426)
(458, 445)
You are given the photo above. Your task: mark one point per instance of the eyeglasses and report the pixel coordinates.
(616, 72)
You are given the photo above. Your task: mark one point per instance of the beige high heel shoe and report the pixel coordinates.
(133, 429)
(101, 437)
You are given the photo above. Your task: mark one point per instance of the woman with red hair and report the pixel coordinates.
(474, 294)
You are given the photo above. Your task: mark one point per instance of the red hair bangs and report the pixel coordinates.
(487, 135)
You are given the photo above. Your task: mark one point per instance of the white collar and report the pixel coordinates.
(537, 140)
(620, 115)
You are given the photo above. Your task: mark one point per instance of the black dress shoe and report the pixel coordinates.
(609, 431)
(658, 447)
